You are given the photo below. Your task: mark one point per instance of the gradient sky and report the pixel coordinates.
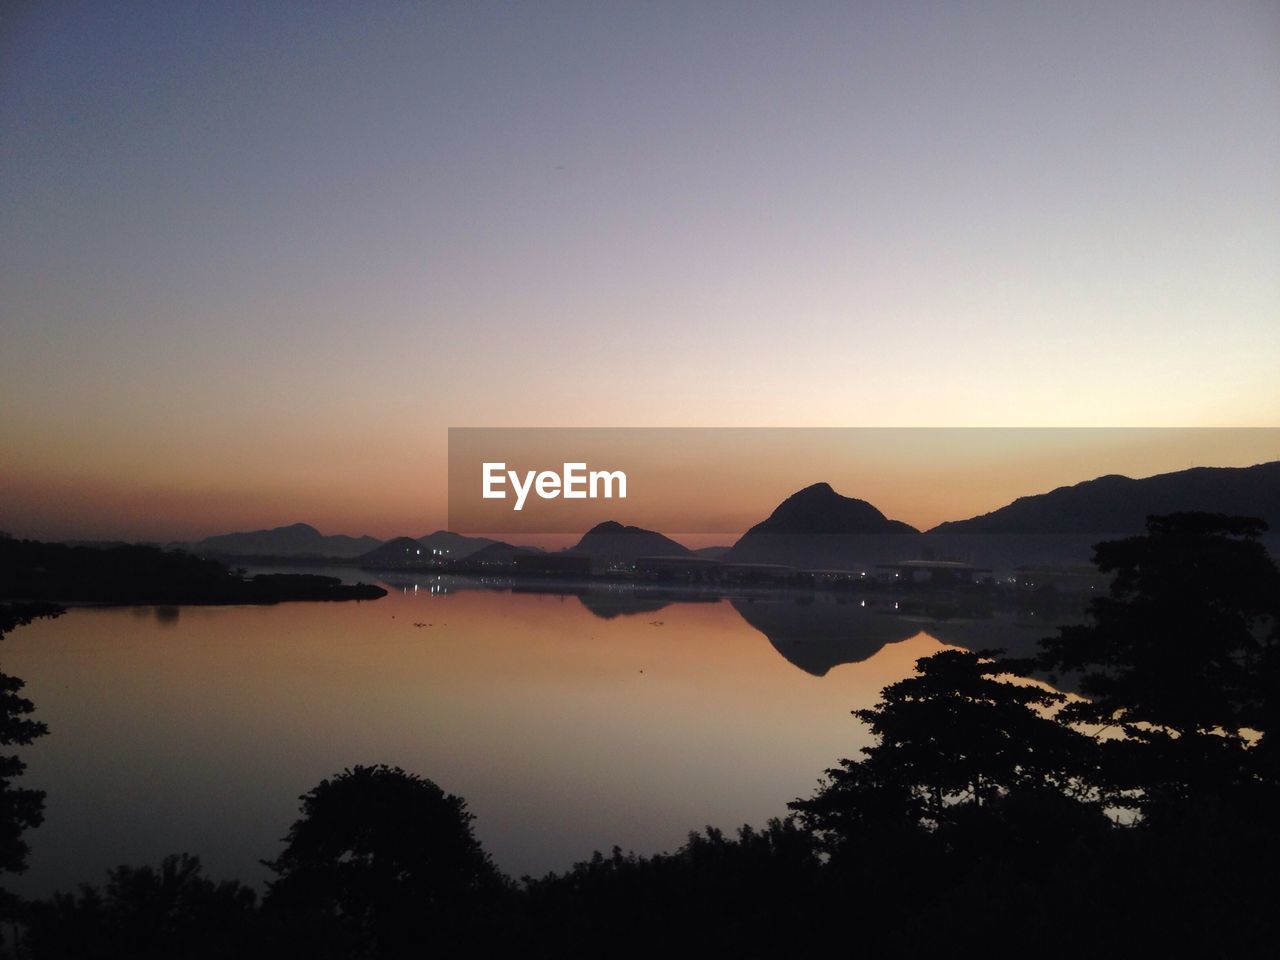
(255, 259)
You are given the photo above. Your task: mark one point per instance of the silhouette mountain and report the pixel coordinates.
(817, 527)
(295, 540)
(818, 509)
(400, 550)
(613, 541)
(453, 546)
(1115, 504)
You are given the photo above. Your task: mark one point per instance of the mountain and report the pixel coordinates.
(296, 540)
(1118, 505)
(396, 552)
(453, 546)
(611, 541)
(820, 510)
(817, 527)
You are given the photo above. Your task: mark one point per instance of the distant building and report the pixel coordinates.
(839, 578)
(686, 568)
(1066, 580)
(552, 564)
(934, 573)
(690, 569)
(762, 573)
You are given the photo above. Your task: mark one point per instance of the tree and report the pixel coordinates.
(1180, 656)
(955, 737)
(172, 912)
(759, 893)
(20, 808)
(388, 855)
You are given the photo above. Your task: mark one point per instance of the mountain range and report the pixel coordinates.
(295, 540)
(817, 527)
(1116, 504)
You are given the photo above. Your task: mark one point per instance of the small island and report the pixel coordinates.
(55, 572)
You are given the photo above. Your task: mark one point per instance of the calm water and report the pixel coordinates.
(569, 723)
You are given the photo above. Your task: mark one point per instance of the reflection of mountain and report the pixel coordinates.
(1115, 504)
(608, 604)
(818, 634)
(295, 540)
(817, 528)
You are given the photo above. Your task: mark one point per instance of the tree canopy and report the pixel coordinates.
(1180, 656)
(383, 852)
(20, 808)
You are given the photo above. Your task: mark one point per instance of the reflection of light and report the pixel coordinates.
(863, 603)
(895, 604)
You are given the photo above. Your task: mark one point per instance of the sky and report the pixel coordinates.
(256, 258)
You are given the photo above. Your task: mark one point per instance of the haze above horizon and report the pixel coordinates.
(259, 257)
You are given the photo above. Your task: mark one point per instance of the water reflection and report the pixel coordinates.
(814, 631)
(818, 634)
(572, 718)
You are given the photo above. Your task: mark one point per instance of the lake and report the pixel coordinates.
(571, 720)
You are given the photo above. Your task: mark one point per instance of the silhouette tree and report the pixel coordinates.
(20, 808)
(387, 855)
(953, 739)
(1180, 657)
(172, 912)
(757, 894)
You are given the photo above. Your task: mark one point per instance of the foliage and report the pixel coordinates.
(954, 735)
(759, 893)
(170, 913)
(386, 854)
(976, 817)
(1181, 656)
(20, 808)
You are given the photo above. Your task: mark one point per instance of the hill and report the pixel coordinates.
(817, 527)
(612, 542)
(295, 540)
(400, 551)
(453, 546)
(1119, 505)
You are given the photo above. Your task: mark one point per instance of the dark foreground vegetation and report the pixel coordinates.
(31, 570)
(993, 815)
